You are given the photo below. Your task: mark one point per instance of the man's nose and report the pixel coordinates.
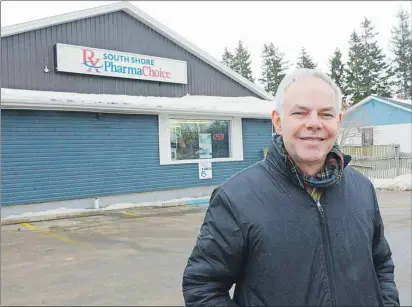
(313, 121)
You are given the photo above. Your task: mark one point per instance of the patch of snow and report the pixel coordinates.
(120, 206)
(402, 100)
(177, 201)
(105, 102)
(58, 211)
(116, 206)
(400, 183)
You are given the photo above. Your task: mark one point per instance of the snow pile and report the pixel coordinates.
(250, 106)
(62, 211)
(402, 100)
(164, 203)
(58, 211)
(400, 183)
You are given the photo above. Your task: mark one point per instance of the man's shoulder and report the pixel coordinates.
(245, 185)
(359, 187)
(355, 177)
(247, 177)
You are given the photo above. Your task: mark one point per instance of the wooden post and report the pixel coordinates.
(397, 160)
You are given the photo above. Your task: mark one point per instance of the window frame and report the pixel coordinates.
(235, 143)
(364, 133)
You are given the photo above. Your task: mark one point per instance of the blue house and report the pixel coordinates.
(380, 121)
(109, 104)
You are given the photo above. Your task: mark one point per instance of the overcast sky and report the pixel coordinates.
(319, 26)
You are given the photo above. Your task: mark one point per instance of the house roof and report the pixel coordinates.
(405, 105)
(145, 19)
(402, 103)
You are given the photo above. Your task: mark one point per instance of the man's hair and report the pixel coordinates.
(300, 73)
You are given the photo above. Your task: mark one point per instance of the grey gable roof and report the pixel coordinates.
(147, 20)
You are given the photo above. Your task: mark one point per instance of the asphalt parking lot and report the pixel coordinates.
(135, 257)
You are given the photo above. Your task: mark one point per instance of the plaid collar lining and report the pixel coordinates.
(328, 176)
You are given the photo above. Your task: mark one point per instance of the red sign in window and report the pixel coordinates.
(218, 136)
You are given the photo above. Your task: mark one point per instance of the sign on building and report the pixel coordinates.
(205, 170)
(109, 63)
(205, 146)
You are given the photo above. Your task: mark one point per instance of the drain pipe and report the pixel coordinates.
(96, 203)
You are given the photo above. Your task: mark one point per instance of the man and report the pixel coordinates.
(301, 227)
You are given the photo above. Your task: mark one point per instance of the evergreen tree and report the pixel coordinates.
(401, 47)
(355, 69)
(368, 71)
(227, 58)
(273, 67)
(305, 60)
(241, 62)
(337, 69)
(378, 74)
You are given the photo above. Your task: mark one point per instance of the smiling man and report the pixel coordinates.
(301, 227)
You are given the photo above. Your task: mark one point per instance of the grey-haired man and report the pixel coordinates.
(301, 227)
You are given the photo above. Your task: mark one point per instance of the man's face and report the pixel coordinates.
(310, 123)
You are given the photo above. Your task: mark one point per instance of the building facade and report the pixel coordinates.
(108, 103)
(379, 121)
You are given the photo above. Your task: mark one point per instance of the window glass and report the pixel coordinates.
(367, 136)
(199, 139)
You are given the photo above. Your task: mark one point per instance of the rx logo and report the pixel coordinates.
(90, 61)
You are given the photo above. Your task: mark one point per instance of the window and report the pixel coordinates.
(194, 139)
(367, 136)
(199, 139)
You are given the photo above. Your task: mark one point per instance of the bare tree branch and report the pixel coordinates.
(351, 132)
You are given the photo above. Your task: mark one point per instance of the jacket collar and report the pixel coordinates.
(280, 165)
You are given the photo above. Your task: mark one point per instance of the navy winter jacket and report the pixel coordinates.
(266, 234)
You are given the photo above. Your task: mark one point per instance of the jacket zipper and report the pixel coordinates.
(326, 244)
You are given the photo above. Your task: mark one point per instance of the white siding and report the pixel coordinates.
(384, 135)
(394, 134)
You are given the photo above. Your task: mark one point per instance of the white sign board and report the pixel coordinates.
(109, 63)
(205, 170)
(205, 145)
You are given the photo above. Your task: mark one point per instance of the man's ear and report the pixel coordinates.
(276, 122)
(340, 117)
